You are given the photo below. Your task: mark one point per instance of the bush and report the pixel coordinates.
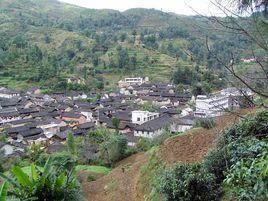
(114, 148)
(91, 177)
(47, 183)
(189, 183)
(247, 178)
(144, 144)
(206, 123)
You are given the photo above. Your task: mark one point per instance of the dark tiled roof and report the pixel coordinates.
(21, 121)
(155, 124)
(16, 130)
(35, 137)
(28, 110)
(183, 121)
(63, 135)
(55, 147)
(86, 126)
(71, 115)
(31, 132)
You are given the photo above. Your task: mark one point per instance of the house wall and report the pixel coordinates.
(147, 134)
(50, 130)
(212, 107)
(80, 120)
(140, 117)
(174, 128)
(88, 115)
(8, 119)
(162, 103)
(3, 95)
(134, 80)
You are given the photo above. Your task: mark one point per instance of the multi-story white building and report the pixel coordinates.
(130, 81)
(211, 106)
(140, 117)
(218, 103)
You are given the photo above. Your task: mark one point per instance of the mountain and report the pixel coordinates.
(43, 42)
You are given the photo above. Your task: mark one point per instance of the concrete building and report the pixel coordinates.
(130, 81)
(140, 117)
(211, 106)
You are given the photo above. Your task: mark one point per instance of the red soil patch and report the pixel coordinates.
(120, 184)
(192, 146)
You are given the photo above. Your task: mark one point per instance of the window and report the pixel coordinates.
(138, 119)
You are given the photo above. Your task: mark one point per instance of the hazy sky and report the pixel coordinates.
(176, 6)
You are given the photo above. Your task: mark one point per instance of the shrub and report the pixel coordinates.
(114, 148)
(247, 178)
(91, 177)
(144, 144)
(206, 123)
(71, 144)
(48, 183)
(216, 162)
(189, 183)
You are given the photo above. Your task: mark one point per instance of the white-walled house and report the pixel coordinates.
(88, 114)
(140, 117)
(234, 92)
(9, 115)
(7, 93)
(181, 124)
(218, 103)
(129, 81)
(154, 128)
(211, 106)
(186, 111)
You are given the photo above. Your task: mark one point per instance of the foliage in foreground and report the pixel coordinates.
(53, 182)
(189, 182)
(237, 167)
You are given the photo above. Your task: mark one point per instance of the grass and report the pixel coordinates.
(93, 168)
(14, 84)
(149, 176)
(111, 186)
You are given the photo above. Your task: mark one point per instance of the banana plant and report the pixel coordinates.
(3, 191)
(40, 184)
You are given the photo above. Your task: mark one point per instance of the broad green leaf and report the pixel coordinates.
(22, 177)
(34, 172)
(47, 167)
(265, 169)
(59, 183)
(11, 181)
(3, 191)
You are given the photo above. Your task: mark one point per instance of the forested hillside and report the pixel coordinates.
(43, 42)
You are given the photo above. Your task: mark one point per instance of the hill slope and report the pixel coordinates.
(130, 180)
(47, 41)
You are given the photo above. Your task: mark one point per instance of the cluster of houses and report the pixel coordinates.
(44, 119)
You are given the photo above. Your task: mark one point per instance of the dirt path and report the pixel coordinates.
(121, 183)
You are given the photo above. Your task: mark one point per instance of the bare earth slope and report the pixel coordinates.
(122, 183)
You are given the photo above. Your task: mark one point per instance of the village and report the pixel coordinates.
(141, 109)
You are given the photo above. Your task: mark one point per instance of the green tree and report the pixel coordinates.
(116, 122)
(71, 144)
(114, 148)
